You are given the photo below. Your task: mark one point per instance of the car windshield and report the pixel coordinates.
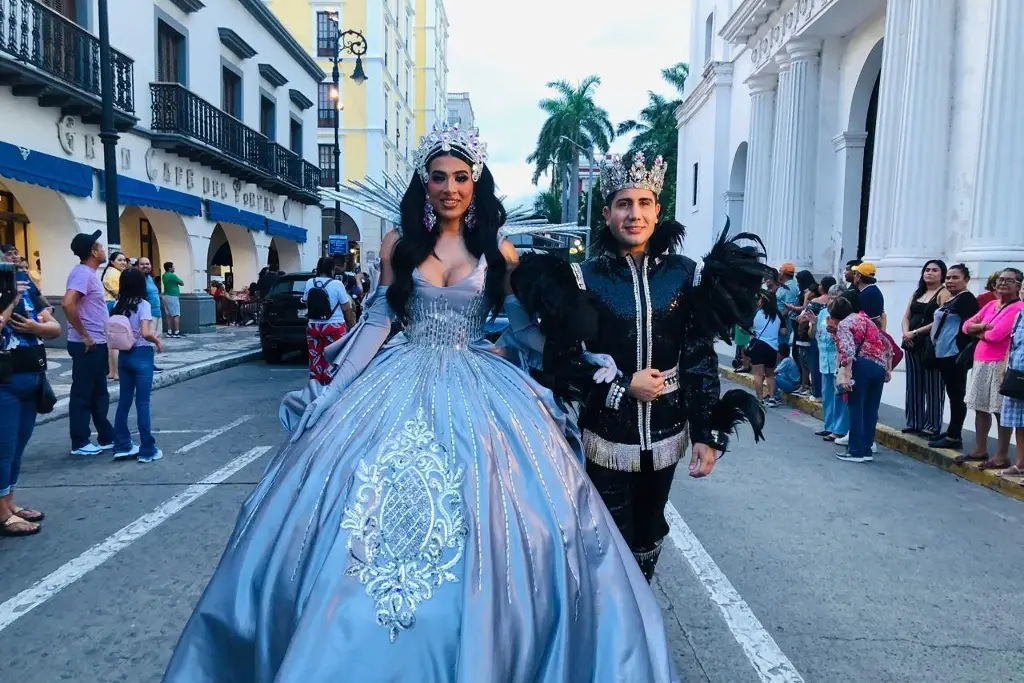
(287, 286)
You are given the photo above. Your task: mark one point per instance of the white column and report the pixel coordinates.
(734, 203)
(778, 223)
(756, 199)
(850, 176)
(793, 155)
(804, 67)
(887, 129)
(995, 233)
(919, 208)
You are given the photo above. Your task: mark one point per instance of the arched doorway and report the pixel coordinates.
(863, 120)
(22, 208)
(284, 255)
(159, 236)
(737, 189)
(231, 257)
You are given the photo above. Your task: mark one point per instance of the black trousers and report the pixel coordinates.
(955, 379)
(637, 503)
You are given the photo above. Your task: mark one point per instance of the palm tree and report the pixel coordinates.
(573, 114)
(549, 204)
(656, 133)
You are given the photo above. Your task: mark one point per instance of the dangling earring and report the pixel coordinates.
(471, 215)
(428, 216)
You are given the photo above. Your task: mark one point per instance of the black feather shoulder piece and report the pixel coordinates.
(726, 284)
(668, 236)
(546, 288)
(733, 409)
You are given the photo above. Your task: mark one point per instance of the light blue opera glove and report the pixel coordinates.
(607, 369)
(361, 344)
(526, 332)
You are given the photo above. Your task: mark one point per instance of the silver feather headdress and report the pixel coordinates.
(615, 175)
(445, 138)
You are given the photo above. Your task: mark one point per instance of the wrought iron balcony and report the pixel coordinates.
(49, 57)
(189, 126)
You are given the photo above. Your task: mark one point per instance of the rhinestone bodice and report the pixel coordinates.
(448, 317)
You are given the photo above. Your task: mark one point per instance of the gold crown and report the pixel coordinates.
(615, 175)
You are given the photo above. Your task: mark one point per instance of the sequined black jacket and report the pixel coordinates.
(644, 321)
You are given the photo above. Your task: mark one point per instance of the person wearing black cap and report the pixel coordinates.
(87, 345)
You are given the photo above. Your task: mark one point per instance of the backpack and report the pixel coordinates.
(119, 333)
(318, 302)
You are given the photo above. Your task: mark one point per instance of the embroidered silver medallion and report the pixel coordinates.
(408, 524)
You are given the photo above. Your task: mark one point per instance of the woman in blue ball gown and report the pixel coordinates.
(428, 522)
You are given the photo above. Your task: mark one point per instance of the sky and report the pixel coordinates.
(504, 59)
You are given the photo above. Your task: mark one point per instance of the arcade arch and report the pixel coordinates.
(737, 189)
(39, 222)
(862, 120)
(231, 256)
(284, 255)
(159, 236)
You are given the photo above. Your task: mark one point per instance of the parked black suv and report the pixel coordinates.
(283, 324)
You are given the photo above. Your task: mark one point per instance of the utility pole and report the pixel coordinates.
(108, 134)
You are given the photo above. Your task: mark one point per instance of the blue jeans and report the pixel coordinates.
(135, 368)
(816, 381)
(782, 384)
(89, 397)
(837, 416)
(866, 397)
(17, 420)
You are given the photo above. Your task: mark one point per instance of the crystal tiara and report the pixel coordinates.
(616, 176)
(445, 138)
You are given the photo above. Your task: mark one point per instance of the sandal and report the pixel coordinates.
(1012, 471)
(11, 526)
(830, 438)
(993, 465)
(970, 457)
(33, 516)
(823, 432)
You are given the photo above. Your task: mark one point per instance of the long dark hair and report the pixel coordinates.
(417, 243)
(805, 281)
(110, 262)
(921, 286)
(132, 290)
(325, 267)
(769, 305)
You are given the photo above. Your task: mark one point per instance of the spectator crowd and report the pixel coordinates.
(830, 342)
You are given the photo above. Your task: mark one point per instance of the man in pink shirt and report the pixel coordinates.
(87, 345)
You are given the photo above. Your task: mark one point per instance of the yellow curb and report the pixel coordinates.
(908, 445)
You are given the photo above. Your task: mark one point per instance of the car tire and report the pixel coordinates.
(271, 355)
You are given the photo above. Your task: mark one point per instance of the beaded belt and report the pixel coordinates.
(625, 457)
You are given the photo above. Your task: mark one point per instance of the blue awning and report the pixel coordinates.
(290, 232)
(223, 213)
(29, 166)
(132, 192)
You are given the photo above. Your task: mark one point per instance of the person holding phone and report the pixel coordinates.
(25, 320)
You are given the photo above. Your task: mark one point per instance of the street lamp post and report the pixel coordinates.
(108, 134)
(353, 42)
(590, 186)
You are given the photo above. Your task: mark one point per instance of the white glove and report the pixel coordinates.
(315, 410)
(607, 369)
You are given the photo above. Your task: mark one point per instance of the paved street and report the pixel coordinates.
(810, 569)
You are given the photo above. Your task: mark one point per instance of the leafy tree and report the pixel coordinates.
(572, 113)
(549, 204)
(655, 132)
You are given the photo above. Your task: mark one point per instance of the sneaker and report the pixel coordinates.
(846, 456)
(106, 446)
(772, 403)
(157, 455)
(874, 447)
(843, 441)
(130, 453)
(87, 449)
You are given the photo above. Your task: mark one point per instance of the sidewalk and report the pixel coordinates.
(888, 434)
(182, 359)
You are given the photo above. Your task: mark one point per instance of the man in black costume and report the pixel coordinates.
(656, 313)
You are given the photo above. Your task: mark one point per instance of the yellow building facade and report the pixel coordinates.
(381, 120)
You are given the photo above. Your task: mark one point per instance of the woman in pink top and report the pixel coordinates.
(992, 327)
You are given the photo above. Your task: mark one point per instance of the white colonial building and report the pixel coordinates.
(214, 104)
(837, 129)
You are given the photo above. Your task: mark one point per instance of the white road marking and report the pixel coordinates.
(211, 435)
(769, 661)
(49, 586)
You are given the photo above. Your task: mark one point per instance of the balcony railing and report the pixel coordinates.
(177, 111)
(36, 35)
